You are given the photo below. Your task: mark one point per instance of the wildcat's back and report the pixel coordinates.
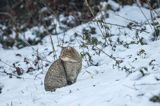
(55, 77)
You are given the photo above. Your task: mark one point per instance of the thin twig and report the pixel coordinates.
(11, 74)
(53, 49)
(125, 18)
(123, 26)
(147, 84)
(7, 64)
(151, 7)
(106, 54)
(51, 40)
(130, 87)
(99, 26)
(144, 15)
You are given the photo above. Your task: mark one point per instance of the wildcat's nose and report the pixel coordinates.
(69, 82)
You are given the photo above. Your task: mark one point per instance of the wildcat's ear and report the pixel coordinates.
(69, 48)
(61, 46)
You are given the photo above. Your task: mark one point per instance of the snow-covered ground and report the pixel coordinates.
(102, 85)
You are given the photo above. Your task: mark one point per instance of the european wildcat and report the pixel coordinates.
(63, 71)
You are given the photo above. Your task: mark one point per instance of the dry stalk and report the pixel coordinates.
(99, 25)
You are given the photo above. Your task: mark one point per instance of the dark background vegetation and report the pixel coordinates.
(20, 15)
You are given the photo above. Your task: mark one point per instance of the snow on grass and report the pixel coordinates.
(100, 85)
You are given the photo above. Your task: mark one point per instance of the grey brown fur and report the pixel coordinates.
(63, 71)
(72, 65)
(55, 77)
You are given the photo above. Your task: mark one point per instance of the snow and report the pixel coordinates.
(102, 85)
